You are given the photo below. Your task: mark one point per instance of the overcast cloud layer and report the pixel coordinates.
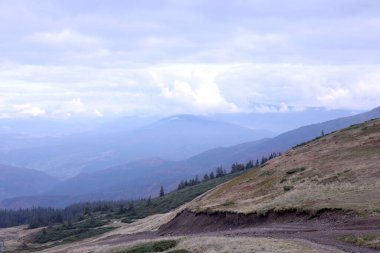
(101, 58)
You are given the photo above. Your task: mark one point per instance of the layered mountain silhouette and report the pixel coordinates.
(143, 178)
(19, 181)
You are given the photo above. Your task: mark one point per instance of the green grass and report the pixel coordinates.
(171, 200)
(159, 246)
(369, 241)
(228, 203)
(93, 225)
(73, 232)
(179, 251)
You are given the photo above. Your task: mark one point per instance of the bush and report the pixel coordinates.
(158, 246)
(288, 187)
(295, 170)
(164, 245)
(126, 220)
(179, 251)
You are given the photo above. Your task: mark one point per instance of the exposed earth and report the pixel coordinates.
(323, 231)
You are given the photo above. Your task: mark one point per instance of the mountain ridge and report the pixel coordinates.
(168, 173)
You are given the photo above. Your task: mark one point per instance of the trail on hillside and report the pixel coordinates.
(322, 230)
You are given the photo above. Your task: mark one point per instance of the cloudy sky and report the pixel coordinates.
(104, 58)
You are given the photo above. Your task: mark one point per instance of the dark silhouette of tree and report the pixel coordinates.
(236, 167)
(149, 201)
(162, 192)
(220, 172)
(249, 165)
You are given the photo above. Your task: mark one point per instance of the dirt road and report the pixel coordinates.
(322, 230)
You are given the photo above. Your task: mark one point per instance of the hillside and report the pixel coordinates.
(256, 149)
(174, 138)
(18, 181)
(325, 192)
(144, 177)
(338, 171)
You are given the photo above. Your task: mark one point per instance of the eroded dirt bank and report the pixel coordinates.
(323, 228)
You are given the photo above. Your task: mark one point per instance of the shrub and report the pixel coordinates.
(288, 187)
(295, 170)
(158, 246)
(179, 251)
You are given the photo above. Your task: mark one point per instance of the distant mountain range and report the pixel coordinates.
(173, 138)
(254, 150)
(18, 181)
(144, 177)
(64, 148)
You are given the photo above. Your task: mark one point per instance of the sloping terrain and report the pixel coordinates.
(144, 177)
(157, 172)
(338, 171)
(18, 181)
(174, 138)
(325, 191)
(256, 149)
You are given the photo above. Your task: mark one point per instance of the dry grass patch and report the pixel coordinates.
(14, 237)
(218, 244)
(369, 241)
(248, 245)
(338, 171)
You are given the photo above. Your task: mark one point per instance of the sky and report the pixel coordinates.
(68, 58)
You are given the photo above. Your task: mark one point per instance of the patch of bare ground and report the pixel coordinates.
(325, 228)
(220, 243)
(321, 232)
(124, 233)
(14, 237)
(316, 193)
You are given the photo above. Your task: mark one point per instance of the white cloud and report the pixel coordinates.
(185, 88)
(193, 87)
(331, 97)
(64, 37)
(170, 57)
(98, 113)
(74, 106)
(29, 110)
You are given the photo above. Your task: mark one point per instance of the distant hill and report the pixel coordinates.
(254, 150)
(144, 177)
(18, 181)
(179, 137)
(339, 171)
(280, 122)
(173, 138)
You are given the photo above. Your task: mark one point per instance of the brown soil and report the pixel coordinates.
(188, 222)
(322, 229)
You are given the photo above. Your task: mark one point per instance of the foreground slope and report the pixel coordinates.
(338, 171)
(314, 192)
(143, 178)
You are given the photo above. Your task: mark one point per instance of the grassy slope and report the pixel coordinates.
(340, 170)
(212, 244)
(97, 224)
(177, 198)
